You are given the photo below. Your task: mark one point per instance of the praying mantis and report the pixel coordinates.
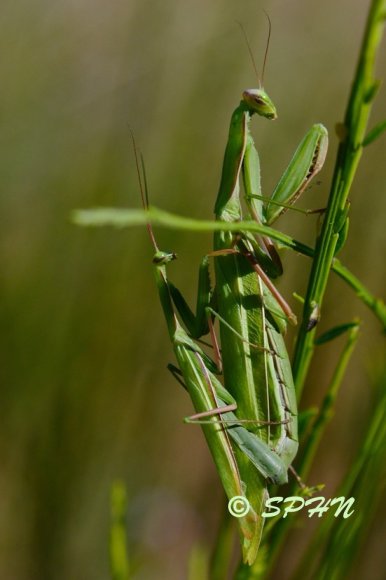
(250, 419)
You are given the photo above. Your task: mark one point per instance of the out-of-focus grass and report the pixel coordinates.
(85, 396)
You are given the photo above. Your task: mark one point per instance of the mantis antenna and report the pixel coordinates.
(261, 82)
(250, 52)
(141, 174)
(267, 46)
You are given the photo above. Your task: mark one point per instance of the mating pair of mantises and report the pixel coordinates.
(250, 418)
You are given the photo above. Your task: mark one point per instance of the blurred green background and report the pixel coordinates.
(85, 394)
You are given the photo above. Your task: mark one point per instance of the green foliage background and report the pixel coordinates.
(85, 396)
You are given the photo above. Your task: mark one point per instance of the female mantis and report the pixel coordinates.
(260, 380)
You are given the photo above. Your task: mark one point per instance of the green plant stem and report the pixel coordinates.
(326, 410)
(222, 554)
(349, 153)
(338, 537)
(121, 218)
(119, 562)
(376, 305)
(198, 563)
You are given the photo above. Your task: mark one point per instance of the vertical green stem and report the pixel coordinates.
(326, 410)
(349, 153)
(335, 545)
(119, 562)
(222, 554)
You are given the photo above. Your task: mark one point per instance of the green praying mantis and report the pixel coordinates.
(250, 418)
